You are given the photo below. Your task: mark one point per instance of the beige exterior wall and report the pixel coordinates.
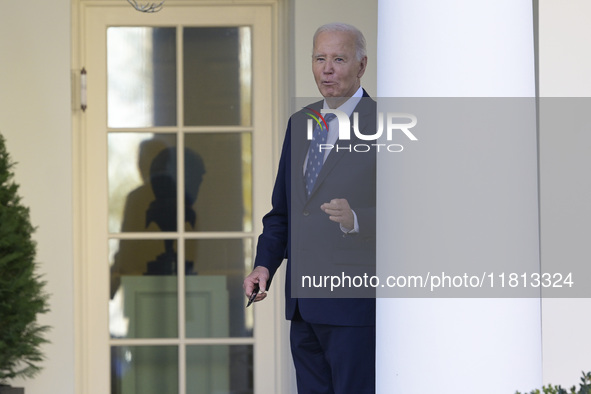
(565, 168)
(35, 118)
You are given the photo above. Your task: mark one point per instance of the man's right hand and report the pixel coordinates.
(260, 276)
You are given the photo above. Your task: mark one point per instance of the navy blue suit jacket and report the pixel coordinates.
(297, 229)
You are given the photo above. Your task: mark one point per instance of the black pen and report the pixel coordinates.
(253, 295)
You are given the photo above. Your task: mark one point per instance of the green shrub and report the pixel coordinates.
(21, 289)
(584, 387)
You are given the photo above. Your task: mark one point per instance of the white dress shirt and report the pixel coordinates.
(333, 135)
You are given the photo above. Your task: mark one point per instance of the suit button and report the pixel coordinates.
(306, 213)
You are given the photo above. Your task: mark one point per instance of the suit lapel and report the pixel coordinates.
(364, 109)
(333, 158)
(299, 145)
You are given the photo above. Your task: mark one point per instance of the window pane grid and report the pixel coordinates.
(184, 235)
(191, 348)
(182, 341)
(186, 129)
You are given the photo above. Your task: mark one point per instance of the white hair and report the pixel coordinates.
(360, 50)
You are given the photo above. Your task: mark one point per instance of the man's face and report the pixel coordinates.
(335, 66)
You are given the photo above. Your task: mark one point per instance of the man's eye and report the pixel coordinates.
(339, 59)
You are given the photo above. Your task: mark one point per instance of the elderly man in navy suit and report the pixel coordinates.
(323, 216)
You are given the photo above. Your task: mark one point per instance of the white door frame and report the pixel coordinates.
(272, 358)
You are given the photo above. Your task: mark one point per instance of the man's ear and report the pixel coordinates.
(362, 67)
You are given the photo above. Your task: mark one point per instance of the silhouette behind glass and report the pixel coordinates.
(162, 211)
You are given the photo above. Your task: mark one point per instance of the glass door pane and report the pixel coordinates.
(140, 165)
(217, 78)
(223, 262)
(224, 202)
(180, 233)
(141, 68)
(144, 369)
(208, 366)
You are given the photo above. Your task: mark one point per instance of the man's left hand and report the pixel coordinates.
(339, 211)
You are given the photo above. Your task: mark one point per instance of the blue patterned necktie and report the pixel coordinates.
(315, 156)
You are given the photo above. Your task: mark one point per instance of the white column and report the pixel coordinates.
(459, 48)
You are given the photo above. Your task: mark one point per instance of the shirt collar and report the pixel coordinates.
(349, 105)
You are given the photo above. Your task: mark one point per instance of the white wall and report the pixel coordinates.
(565, 182)
(35, 119)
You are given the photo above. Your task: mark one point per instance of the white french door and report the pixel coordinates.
(175, 155)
